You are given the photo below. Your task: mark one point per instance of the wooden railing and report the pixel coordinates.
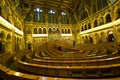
(32, 65)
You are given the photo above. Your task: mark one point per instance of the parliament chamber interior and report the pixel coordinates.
(59, 39)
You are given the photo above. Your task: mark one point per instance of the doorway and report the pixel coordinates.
(29, 46)
(111, 37)
(2, 48)
(91, 40)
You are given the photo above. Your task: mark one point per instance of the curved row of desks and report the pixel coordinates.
(71, 71)
(8, 74)
(50, 66)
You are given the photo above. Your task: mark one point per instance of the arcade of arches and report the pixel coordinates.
(27, 25)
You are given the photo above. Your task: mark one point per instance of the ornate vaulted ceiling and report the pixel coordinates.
(68, 5)
(73, 7)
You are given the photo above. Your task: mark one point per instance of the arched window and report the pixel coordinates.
(99, 4)
(101, 21)
(35, 30)
(17, 39)
(81, 16)
(40, 31)
(95, 23)
(50, 31)
(62, 30)
(8, 36)
(97, 38)
(103, 37)
(84, 15)
(65, 30)
(44, 31)
(94, 8)
(57, 30)
(89, 26)
(111, 36)
(82, 28)
(85, 27)
(28, 17)
(52, 17)
(64, 18)
(118, 13)
(2, 35)
(108, 18)
(104, 3)
(38, 15)
(73, 19)
(69, 31)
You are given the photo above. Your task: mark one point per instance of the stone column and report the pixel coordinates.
(46, 23)
(13, 41)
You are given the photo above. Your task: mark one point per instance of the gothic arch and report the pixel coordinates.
(50, 30)
(99, 5)
(17, 39)
(35, 31)
(89, 26)
(82, 29)
(101, 20)
(111, 37)
(90, 38)
(118, 13)
(40, 30)
(108, 18)
(69, 31)
(8, 36)
(2, 35)
(83, 40)
(95, 23)
(85, 27)
(97, 38)
(65, 30)
(44, 31)
(62, 31)
(103, 37)
(84, 12)
(94, 8)
(86, 39)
